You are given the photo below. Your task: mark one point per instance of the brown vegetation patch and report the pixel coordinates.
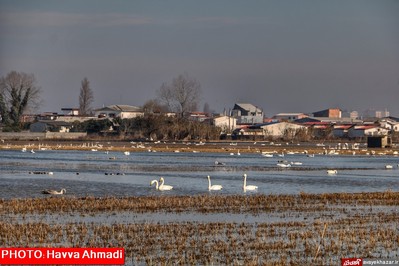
(316, 229)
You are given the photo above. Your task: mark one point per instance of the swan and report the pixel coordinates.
(332, 172)
(214, 187)
(54, 192)
(284, 165)
(267, 155)
(156, 184)
(161, 186)
(250, 187)
(296, 163)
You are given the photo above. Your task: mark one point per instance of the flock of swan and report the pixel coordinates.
(160, 185)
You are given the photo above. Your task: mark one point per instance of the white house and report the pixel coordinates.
(247, 113)
(390, 123)
(366, 130)
(227, 123)
(70, 111)
(121, 111)
(280, 129)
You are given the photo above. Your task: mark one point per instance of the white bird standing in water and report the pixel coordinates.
(214, 187)
(250, 187)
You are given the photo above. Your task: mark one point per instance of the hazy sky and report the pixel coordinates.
(283, 56)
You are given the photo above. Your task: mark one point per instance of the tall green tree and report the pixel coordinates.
(19, 94)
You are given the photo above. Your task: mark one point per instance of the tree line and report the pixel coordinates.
(150, 127)
(20, 94)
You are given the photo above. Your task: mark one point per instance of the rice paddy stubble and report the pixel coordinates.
(353, 230)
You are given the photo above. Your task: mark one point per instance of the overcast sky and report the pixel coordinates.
(283, 56)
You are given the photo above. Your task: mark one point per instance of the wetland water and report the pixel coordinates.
(130, 175)
(234, 229)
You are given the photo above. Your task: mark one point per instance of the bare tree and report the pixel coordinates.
(208, 109)
(86, 98)
(182, 95)
(153, 106)
(18, 94)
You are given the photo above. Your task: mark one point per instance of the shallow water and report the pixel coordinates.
(187, 172)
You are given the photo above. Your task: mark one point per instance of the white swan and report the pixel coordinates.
(296, 163)
(250, 187)
(332, 172)
(54, 192)
(214, 187)
(161, 187)
(156, 184)
(284, 165)
(267, 155)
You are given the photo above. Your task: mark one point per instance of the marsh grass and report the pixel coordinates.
(352, 231)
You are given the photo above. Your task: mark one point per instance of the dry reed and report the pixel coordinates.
(300, 238)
